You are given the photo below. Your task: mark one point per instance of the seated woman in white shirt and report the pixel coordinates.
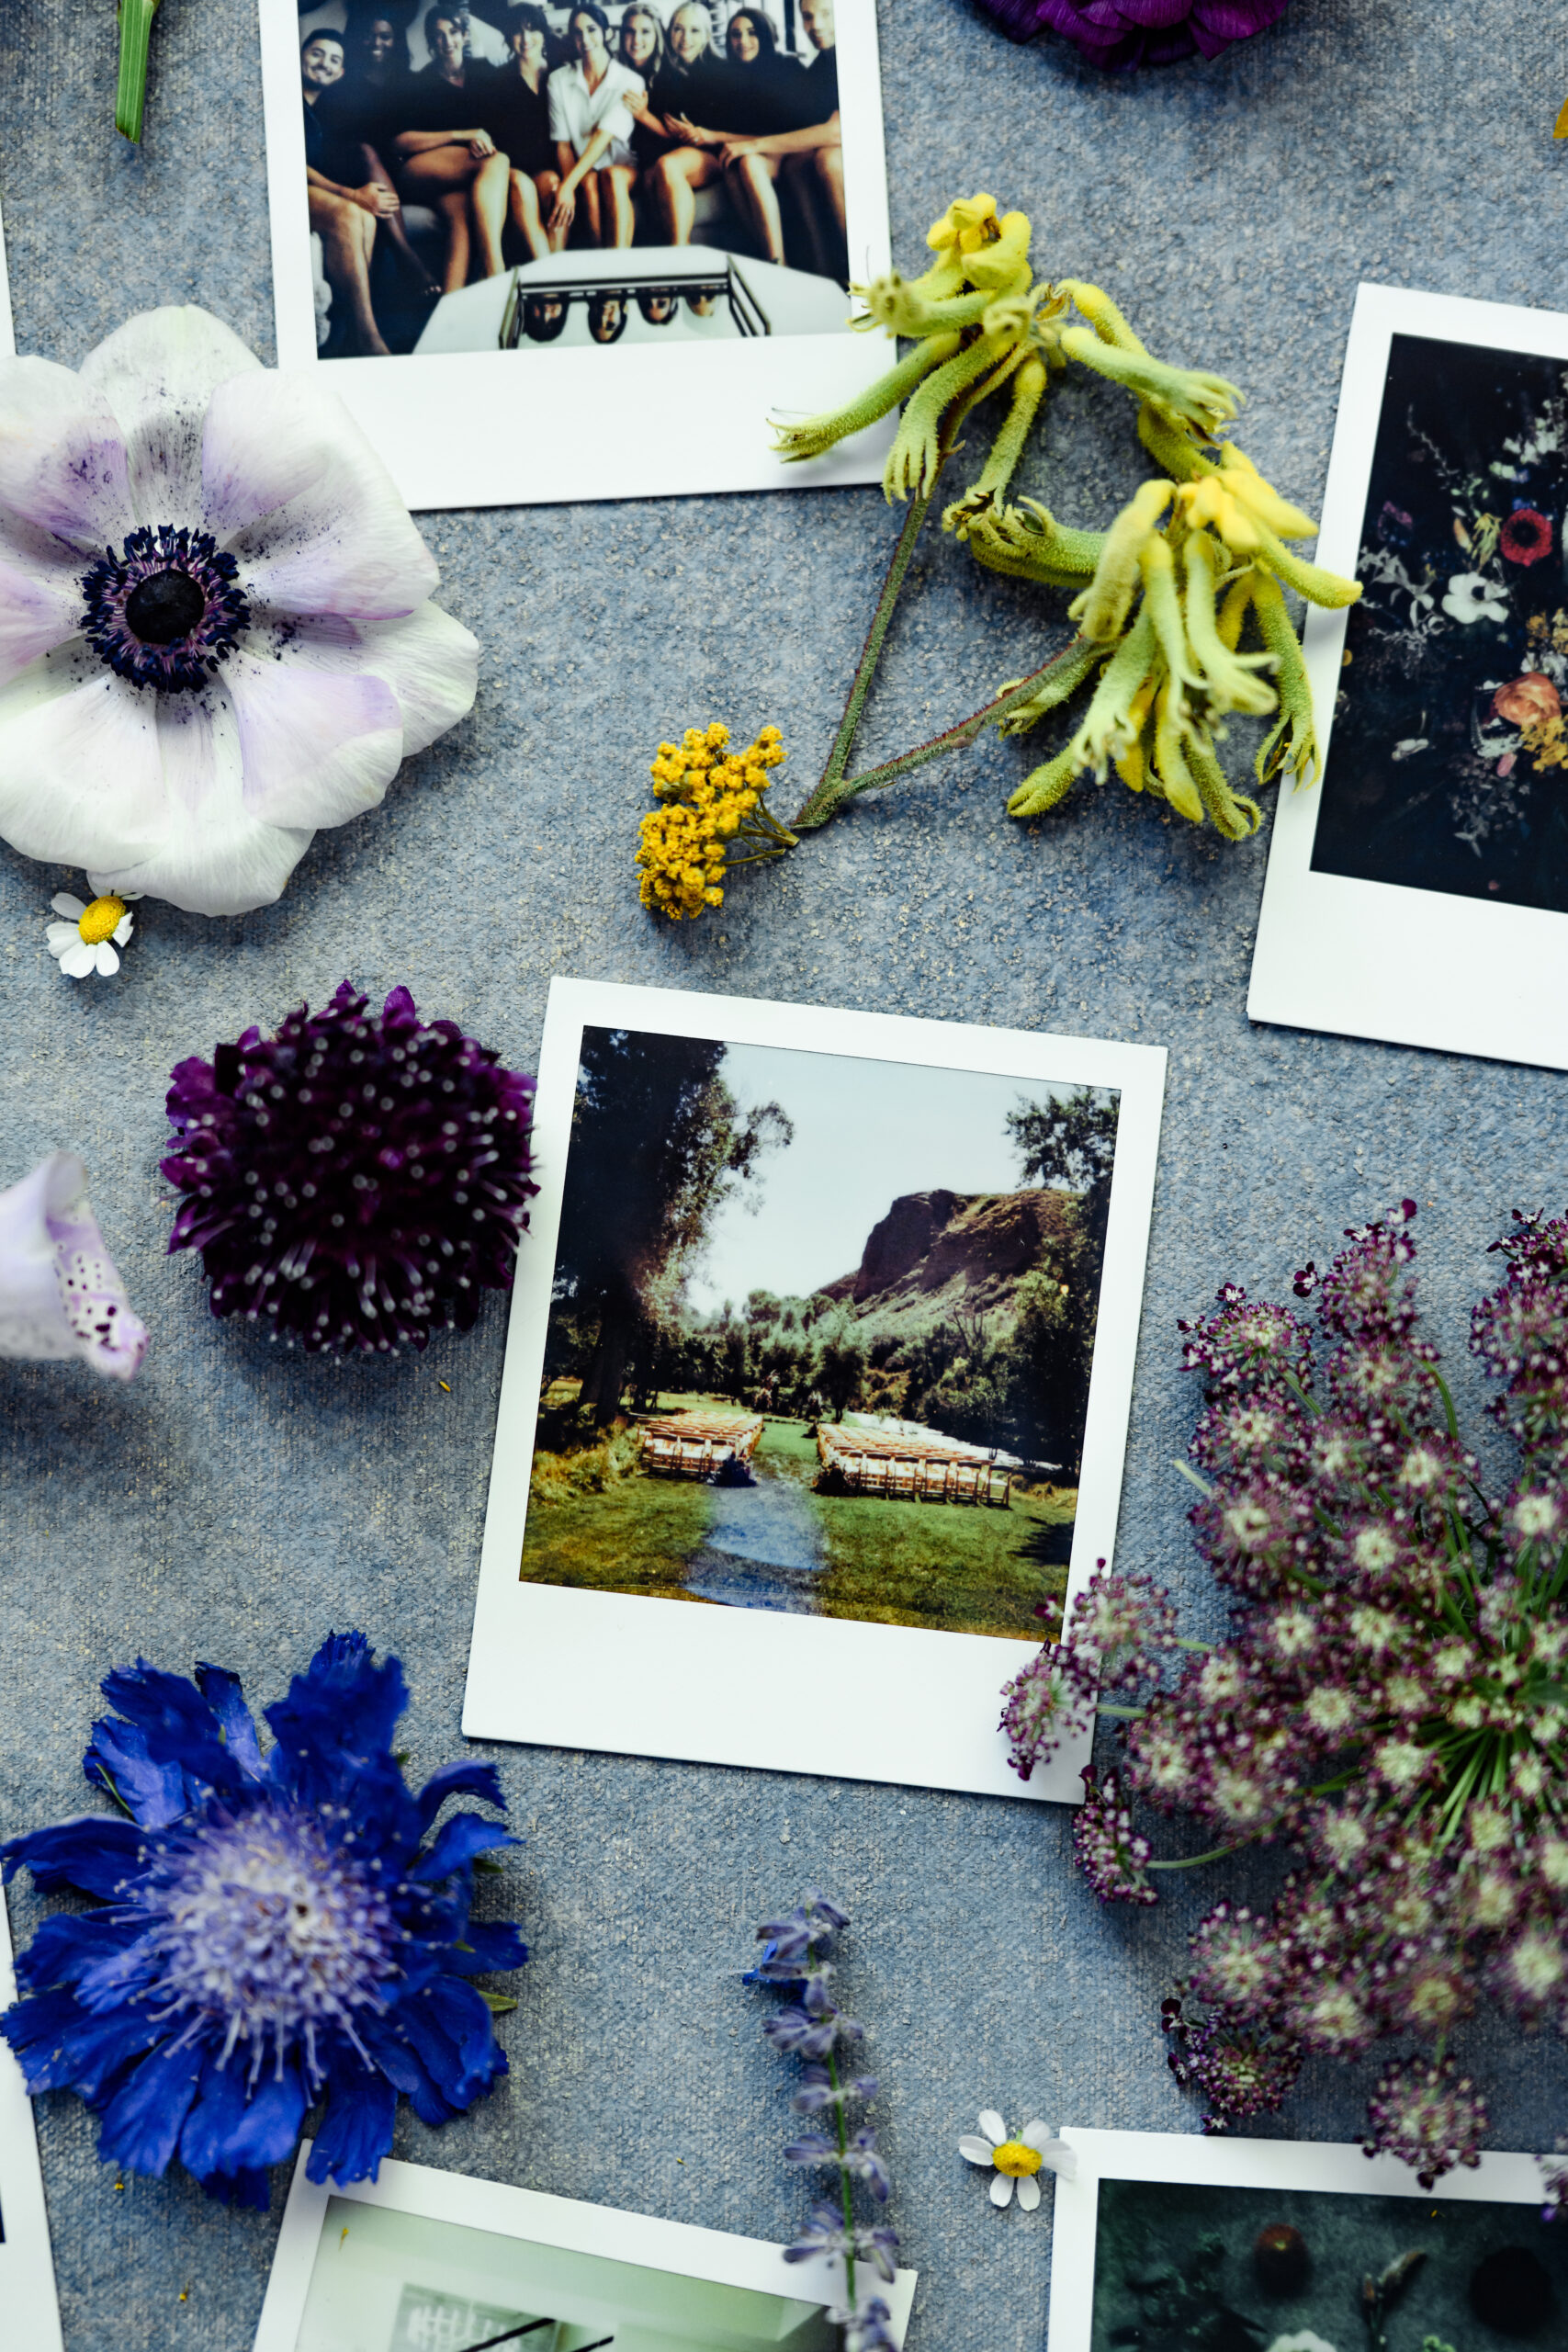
(590, 123)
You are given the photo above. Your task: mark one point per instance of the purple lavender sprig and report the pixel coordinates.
(796, 1960)
(1391, 1702)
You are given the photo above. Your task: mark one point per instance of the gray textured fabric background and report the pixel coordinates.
(234, 1503)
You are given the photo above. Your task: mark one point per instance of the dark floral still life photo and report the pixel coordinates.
(1448, 769)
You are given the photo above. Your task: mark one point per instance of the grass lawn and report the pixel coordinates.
(961, 1569)
(636, 1536)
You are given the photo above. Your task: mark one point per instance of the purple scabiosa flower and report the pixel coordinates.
(1119, 35)
(60, 1294)
(353, 1181)
(1391, 1701)
(1430, 2114)
(795, 1958)
(1110, 1856)
(269, 1930)
(215, 618)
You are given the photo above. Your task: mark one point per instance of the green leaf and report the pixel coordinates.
(130, 90)
(496, 2003)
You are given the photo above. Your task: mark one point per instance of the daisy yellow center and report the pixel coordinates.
(100, 920)
(1017, 2160)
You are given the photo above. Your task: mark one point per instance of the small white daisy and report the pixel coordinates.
(86, 939)
(1018, 2160)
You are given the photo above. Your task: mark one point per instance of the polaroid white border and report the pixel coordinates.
(564, 2222)
(28, 2294)
(7, 326)
(1372, 959)
(702, 410)
(633, 1674)
(1189, 2160)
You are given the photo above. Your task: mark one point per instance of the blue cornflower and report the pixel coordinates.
(272, 1930)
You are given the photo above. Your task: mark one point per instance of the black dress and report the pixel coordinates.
(518, 119)
(694, 91)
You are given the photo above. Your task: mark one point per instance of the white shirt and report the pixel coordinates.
(577, 112)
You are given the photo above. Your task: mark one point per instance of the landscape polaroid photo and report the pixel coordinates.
(427, 2261)
(817, 1380)
(1279, 2245)
(27, 2267)
(547, 251)
(1419, 894)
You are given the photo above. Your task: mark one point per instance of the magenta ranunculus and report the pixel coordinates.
(1121, 34)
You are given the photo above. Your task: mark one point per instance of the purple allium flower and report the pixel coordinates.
(353, 1181)
(1429, 2114)
(214, 615)
(794, 1955)
(1108, 1852)
(1390, 1702)
(1121, 34)
(60, 1294)
(270, 1930)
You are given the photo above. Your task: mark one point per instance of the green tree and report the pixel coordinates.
(659, 1143)
(840, 1371)
(1069, 1143)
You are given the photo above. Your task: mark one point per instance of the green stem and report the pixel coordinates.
(130, 91)
(1191, 1861)
(845, 2194)
(832, 792)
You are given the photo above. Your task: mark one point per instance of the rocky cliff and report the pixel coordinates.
(936, 1254)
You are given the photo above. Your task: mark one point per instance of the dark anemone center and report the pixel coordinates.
(164, 606)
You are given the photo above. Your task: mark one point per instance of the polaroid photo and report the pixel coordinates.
(428, 2261)
(548, 251)
(1419, 893)
(817, 1383)
(27, 2267)
(1280, 2245)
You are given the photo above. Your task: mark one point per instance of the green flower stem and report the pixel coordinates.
(130, 91)
(832, 793)
(841, 2134)
(1193, 1861)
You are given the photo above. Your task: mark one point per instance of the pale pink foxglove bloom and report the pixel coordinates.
(216, 632)
(60, 1295)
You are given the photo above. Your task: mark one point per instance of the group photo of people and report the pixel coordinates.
(443, 149)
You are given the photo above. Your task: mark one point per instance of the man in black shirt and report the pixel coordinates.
(343, 214)
(808, 149)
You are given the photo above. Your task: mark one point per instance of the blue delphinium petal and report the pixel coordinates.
(463, 1779)
(93, 1851)
(225, 1694)
(290, 1930)
(455, 1844)
(356, 2130)
(116, 1760)
(143, 2121)
(492, 1944)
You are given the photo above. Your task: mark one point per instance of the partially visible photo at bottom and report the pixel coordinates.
(387, 2281)
(1189, 2263)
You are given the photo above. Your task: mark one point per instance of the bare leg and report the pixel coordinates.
(676, 177)
(376, 169)
(615, 205)
(441, 176)
(751, 181)
(488, 199)
(817, 180)
(588, 213)
(348, 239)
(525, 212)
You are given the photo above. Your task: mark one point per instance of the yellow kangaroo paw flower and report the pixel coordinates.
(1231, 813)
(1078, 662)
(813, 435)
(1230, 679)
(1293, 743)
(1101, 312)
(1170, 765)
(1101, 611)
(1188, 394)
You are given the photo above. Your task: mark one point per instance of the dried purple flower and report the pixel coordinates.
(795, 1954)
(1121, 34)
(1109, 1855)
(1429, 2113)
(1391, 1703)
(353, 1182)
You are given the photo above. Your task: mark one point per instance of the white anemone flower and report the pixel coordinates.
(1473, 597)
(216, 632)
(88, 939)
(60, 1295)
(1019, 2161)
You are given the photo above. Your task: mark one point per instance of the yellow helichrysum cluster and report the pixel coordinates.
(1164, 595)
(711, 806)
